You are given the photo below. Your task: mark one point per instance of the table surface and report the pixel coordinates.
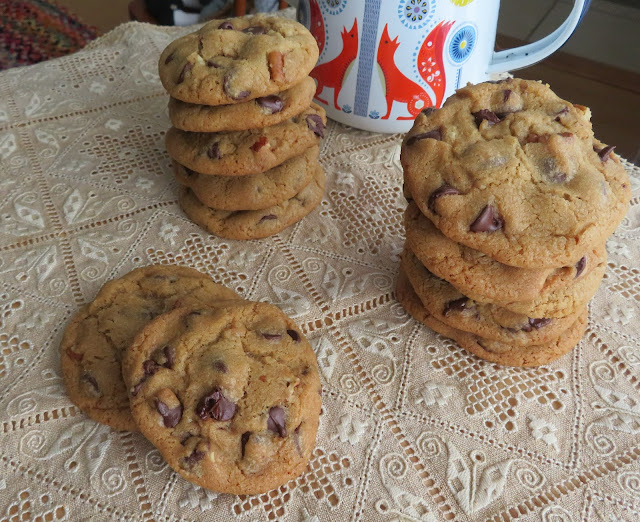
(413, 427)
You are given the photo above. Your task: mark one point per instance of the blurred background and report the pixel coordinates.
(599, 66)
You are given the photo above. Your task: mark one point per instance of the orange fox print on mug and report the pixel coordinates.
(381, 63)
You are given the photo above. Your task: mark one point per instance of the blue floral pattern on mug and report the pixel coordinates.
(334, 7)
(374, 115)
(415, 14)
(462, 44)
(347, 108)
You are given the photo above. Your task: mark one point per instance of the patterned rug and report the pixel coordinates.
(32, 31)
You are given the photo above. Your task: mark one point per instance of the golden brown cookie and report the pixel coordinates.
(253, 114)
(238, 59)
(513, 171)
(493, 351)
(485, 320)
(253, 192)
(247, 152)
(545, 292)
(254, 224)
(237, 409)
(93, 342)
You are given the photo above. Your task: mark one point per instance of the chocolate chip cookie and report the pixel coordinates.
(247, 152)
(513, 171)
(254, 224)
(235, 405)
(253, 192)
(257, 113)
(482, 278)
(497, 352)
(235, 60)
(93, 342)
(485, 320)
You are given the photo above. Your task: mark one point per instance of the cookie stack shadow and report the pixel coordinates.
(511, 201)
(245, 136)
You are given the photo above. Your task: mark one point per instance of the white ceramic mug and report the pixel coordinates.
(382, 62)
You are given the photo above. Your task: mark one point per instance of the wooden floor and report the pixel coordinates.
(614, 99)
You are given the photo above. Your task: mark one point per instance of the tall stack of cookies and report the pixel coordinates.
(245, 136)
(511, 201)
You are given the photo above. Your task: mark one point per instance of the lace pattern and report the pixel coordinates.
(413, 427)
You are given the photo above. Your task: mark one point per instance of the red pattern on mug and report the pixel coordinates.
(430, 61)
(331, 74)
(317, 25)
(398, 87)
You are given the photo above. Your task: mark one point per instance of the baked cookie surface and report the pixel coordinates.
(257, 113)
(493, 351)
(235, 406)
(488, 321)
(253, 151)
(482, 278)
(93, 342)
(512, 170)
(231, 61)
(254, 224)
(252, 192)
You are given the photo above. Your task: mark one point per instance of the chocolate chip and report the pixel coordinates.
(486, 114)
(170, 355)
(200, 45)
(428, 111)
(435, 134)
(276, 421)
(558, 177)
(272, 337)
(305, 371)
(255, 29)
(188, 171)
(507, 95)
(169, 58)
(444, 190)
(211, 63)
(457, 305)
(294, 335)
(581, 265)
(315, 124)
(566, 134)
(226, 25)
(268, 217)
(487, 221)
(185, 437)
(535, 324)
(187, 67)
(195, 457)
(136, 389)
(214, 151)
(215, 406)
(150, 367)
(272, 103)
(220, 366)
(532, 137)
(244, 438)
(170, 416)
(91, 381)
(605, 152)
(260, 142)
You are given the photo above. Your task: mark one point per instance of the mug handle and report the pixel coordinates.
(525, 55)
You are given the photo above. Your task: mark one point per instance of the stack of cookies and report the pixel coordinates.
(228, 390)
(511, 201)
(245, 133)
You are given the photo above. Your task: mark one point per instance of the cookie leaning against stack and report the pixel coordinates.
(511, 202)
(245, 133)
(228, 390)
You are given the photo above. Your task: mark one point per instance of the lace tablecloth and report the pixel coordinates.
(413, 427)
